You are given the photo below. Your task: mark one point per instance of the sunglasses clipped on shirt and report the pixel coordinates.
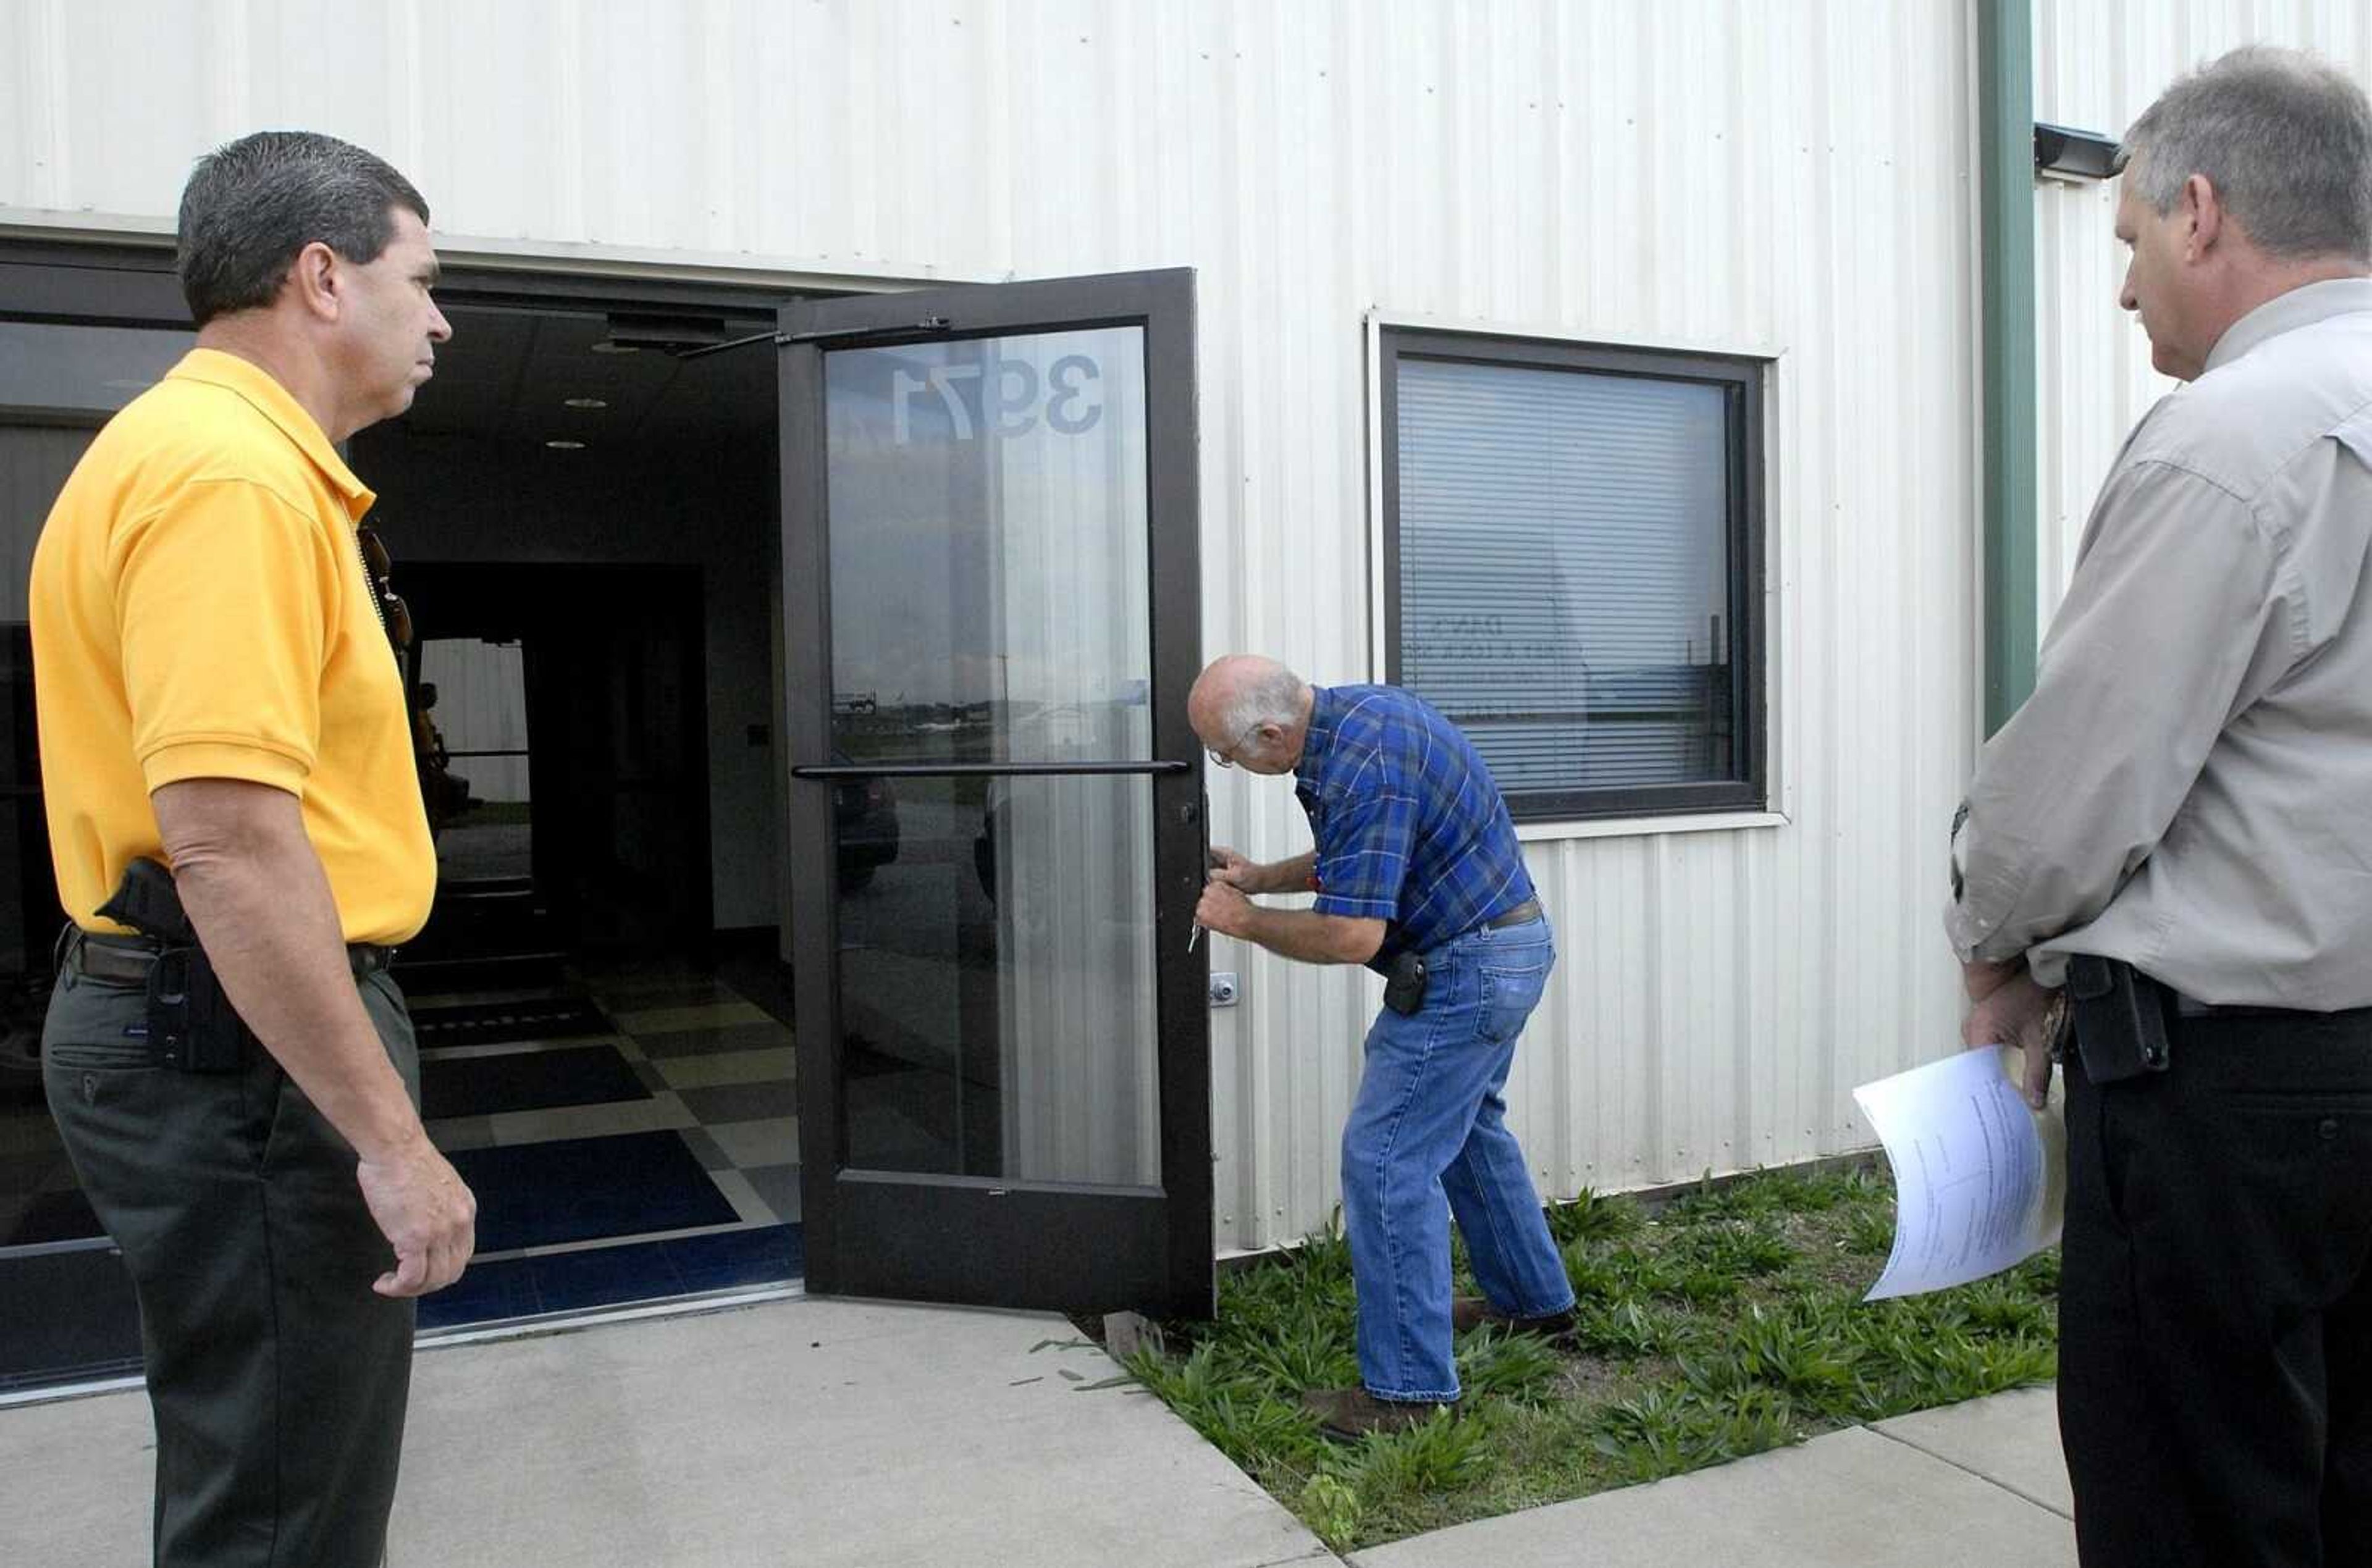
(393, 614)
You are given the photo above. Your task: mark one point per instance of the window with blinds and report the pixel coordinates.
(1572, 544)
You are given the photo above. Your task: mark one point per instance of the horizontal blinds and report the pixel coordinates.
(1563, 570)
(1554, 756)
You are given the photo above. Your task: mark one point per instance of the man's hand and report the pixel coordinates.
(1304, 936)
(2016, 1011)
(256, 892)
(1223, 909)
(427, 1214)
(1234, 870)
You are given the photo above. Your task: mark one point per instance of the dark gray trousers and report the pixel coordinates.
(2215, 1299)
(278, 1377)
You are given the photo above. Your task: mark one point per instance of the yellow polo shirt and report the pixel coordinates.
(200, 610)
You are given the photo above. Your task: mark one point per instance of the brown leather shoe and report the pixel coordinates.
(1349, 1414)
(1468, 1313)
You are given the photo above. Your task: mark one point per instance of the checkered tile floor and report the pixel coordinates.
(719, 1071)
(649, 1222)
(720, 1078)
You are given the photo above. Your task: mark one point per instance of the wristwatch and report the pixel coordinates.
(2054, 1025)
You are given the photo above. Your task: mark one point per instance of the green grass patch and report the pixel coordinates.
(1724, 1322)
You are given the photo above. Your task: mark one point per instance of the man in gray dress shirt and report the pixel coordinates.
(2172, 840)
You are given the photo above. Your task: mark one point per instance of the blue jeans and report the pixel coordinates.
(1429, 1123)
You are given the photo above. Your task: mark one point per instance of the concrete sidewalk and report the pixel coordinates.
(808, 1432)
(837, 1432)
(1971, 1486)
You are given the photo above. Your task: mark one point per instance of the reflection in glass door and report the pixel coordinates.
(1003, 1039)
(470, 698)
(989, 607)
(69, 1309)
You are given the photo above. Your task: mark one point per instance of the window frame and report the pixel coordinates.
(1740, 378)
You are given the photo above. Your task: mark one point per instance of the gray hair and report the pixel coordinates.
(1272, 697)
(251, 205)
(2284, 136)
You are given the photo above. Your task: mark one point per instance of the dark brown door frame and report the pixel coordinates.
(129, 282)
(977, 1239)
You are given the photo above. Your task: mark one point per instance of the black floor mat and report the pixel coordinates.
(526, 1080)
(491, 1023)
(579, 1189)
(71, 1315)
(54, 1216)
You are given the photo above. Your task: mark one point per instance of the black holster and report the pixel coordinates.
(193, 1027)
(2120, 1016)
(1405, 983)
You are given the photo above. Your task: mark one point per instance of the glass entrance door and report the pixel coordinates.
(990, 614)
(70, 1314)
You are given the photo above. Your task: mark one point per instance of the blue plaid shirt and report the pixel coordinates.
(1409, 827)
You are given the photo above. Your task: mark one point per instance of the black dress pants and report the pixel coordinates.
(2216, 1302)
(277, 1377)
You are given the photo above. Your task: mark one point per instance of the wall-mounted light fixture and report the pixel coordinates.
(2065, 152)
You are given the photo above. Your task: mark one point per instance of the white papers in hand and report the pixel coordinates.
(1980, 1177)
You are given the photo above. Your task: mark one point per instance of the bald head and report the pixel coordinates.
(1251, 710)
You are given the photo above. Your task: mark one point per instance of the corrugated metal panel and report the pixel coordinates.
(2098, 64)
(481, 707)
(1796, 177)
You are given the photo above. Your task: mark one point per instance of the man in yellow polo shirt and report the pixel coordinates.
(217, 692)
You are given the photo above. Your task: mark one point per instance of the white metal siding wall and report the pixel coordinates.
(1793, 177)
(482, 706)
(2098, 64)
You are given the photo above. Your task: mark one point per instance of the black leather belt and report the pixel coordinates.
(2190, 1007)
(1528, 910)
(127, 960)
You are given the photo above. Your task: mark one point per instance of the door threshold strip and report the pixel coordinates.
(598, 1316)
(477, 1334)
(51, 1392)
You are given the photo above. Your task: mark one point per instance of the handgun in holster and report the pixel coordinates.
(193, 1027)
(2120, 1017)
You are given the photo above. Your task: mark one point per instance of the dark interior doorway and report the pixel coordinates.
(592, 516)
(603, 797)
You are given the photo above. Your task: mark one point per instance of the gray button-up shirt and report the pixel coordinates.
(2190, 787)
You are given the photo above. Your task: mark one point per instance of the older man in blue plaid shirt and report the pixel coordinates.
(1415, 859)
